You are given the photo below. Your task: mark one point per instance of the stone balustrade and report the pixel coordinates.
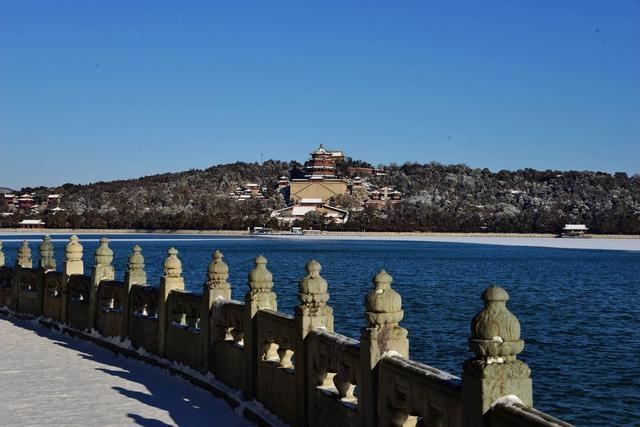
(296, 366)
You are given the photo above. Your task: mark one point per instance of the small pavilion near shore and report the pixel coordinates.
(31, 223)
(574, 230)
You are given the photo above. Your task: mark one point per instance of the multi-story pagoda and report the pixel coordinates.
(322, 164)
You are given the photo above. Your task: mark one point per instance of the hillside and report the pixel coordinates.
(435, 198)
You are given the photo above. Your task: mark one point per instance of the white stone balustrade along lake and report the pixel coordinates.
(296, 366)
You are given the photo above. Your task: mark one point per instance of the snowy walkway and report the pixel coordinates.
(49, 378)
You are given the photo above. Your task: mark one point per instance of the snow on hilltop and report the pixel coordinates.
(435, 198)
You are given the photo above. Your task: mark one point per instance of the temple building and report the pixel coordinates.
(283, 182)
(25, 201)
(250, 190)
(10, 200)
(53, 200)
(384, 197)
(322, 164)
(31, 223)
(321, 180)
(330, 213)
(574, 230)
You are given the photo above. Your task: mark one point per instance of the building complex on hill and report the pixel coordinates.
(27, 209)
(322, 184)
(321, 180)
(314, 192)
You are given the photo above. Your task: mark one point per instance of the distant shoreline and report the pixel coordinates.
(601, 242)
(314, 233)
(9, 231)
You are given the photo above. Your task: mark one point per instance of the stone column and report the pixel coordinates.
(47, 264)
(312, 312)
(7, 301)
(135, 275)
(172, 279)
(494, 371)
(102, 270)
(383, 336)
(24, 256)
(2, 259)
(23, 260)
(47, 256)
(260, 296)
(216, 286)
(72, 265)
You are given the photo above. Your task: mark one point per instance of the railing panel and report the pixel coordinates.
(78, 301)
(334, 372)
(410, 390)
(109, 308)
(275, 383)
(184, 343)
(52, 299)
(227, 353)
(6, 278)
(143, 317)
(30, 291)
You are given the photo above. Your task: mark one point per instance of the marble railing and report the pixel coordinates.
(296, 366)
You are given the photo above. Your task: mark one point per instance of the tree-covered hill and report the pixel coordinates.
(456, 197)
(435, 198)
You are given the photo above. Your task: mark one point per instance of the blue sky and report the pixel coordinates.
(103, 90)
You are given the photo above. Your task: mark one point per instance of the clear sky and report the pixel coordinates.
(103, 90)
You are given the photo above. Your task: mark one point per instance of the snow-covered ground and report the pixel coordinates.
(49, 378)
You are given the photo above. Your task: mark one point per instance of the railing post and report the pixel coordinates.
(24, 256)
(383, 336)
(47, 263)
(23, 260)
(494, 371)
(172, 279)
(260, 296)
(312, 312)
(134, 275)
(216, 286)
(47, 256)
(102, 270)
(72, 265)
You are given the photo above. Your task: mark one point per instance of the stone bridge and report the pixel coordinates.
(248, 355)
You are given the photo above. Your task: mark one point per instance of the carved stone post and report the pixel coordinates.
(7, 300)
(2, 259)
(47, 264)
(260, 296)
(23, 260)
(72, 265)
(216, 286)
(383, 336)
(47, 256)
(172, 279)
(494, 371)
(312, 312)
(24, 256)
(102, 270)
(135, 274)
